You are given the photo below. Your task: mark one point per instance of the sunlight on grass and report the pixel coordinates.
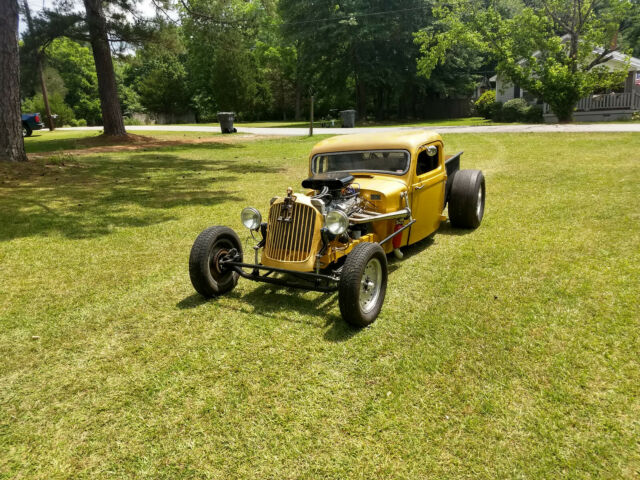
(507, 352)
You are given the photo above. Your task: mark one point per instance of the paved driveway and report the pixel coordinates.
(299, 132)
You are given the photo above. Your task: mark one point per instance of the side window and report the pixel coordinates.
(426, 162)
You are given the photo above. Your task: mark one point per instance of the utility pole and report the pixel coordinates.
(45, 96)
(311, 124)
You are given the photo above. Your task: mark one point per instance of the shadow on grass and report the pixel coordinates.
(447, 229)
(192, 301)
(273, 301)
(109, 191)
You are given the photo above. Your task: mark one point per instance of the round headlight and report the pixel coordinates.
(337, 222)
(251, 218)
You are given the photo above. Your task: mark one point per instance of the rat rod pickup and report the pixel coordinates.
(367, 195)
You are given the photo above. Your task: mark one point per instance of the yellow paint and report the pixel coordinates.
(425, 194)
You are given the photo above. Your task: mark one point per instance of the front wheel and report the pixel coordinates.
(207, 276)
(363, 284)
(466, 199)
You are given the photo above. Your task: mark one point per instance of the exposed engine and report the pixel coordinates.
(335, 191)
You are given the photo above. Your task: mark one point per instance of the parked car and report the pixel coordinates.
(367, 196)
(31, 122)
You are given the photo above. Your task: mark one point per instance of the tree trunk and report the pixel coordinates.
(109, 101)
(11, 141)
(298, 115)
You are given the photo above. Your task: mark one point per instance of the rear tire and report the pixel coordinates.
(466, 199)
(363, 284)
(207, 277)
(26, 131)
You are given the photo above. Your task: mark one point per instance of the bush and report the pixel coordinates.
(77, 123)
(58, 107)
(486, 105)
(133, 121)
(496, 114)
(534, 114)
(515, 110)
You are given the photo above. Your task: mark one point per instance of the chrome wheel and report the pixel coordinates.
(370, 285)
(24, 132)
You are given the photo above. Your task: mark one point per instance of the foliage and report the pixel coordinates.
(514, 110)
(56, 103)
(485, 106)
(78, 123)
(546, 49)
(74, 63)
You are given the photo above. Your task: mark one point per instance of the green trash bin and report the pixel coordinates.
(226, 122)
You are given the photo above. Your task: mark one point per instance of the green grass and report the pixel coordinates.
(507, 352)
(470, 121)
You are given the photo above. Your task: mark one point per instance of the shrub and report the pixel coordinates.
(133, 121)
(58, 107)
(81, 122)
(486, 105)
(534, 114)
(635, 116)
(496, 114)
(515, 110)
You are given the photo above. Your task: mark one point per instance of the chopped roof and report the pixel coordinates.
(403, 139)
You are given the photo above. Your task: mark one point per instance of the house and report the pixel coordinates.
(603, 106)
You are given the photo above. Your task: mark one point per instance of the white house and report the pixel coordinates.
(603, 106)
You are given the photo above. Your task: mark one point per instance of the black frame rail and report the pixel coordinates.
(315, 279)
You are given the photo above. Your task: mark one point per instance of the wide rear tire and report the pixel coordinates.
(466, 199)
(207, 277)
(363, 284)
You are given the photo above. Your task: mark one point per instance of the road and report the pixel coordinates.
(300, 132)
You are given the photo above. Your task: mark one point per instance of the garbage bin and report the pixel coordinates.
(348, 118)
(226, 122)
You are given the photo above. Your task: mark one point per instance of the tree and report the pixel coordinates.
(105, 21)
(11, 141)
(554, 49)
(74, 63)
(109, 100)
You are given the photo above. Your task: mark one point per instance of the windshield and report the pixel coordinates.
(395, 162)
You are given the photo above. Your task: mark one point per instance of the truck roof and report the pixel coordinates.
(403, 139)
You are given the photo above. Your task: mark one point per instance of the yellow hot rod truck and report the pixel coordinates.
(367, 195)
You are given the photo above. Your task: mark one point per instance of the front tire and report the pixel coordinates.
(363, 284)
(207, 277)
(466, 199)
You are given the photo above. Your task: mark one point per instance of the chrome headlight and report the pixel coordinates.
(337, 222)
(251, 218)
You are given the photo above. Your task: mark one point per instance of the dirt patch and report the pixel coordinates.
(133, 142)
(12, 173)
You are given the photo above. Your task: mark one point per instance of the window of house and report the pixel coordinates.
(426, 162)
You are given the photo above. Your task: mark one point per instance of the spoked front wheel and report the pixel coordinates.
(207, 276)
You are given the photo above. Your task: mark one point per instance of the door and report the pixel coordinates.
(427, 202)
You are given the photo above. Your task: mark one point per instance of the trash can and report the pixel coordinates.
(348, 118)
(226, 122)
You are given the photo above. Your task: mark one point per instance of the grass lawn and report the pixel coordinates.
(508, 352)
(472, 121)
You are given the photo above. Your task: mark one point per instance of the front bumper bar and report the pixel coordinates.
(305, 280)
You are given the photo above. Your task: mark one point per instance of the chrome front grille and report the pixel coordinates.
(290, 241)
